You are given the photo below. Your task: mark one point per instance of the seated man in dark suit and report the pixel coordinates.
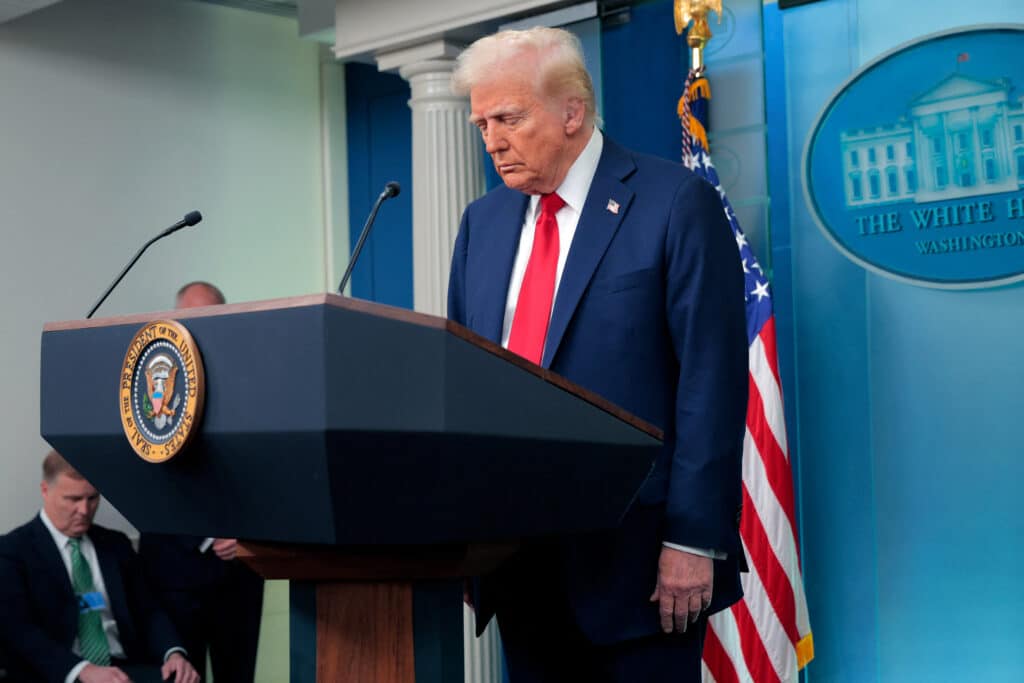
(74, 604)
(214, 600)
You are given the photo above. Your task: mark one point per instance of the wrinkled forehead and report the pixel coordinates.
(510, 92)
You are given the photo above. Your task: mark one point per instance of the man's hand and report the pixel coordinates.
(102, 674)
(684, 588)
(179, 670)
(226, 548)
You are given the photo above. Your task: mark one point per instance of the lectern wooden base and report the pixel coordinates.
(374, 632)
(391, 615)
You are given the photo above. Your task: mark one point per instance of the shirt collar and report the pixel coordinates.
(59, 538)
(576, 185)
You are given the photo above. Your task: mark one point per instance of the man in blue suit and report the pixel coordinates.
(74, 605)
(618, 271)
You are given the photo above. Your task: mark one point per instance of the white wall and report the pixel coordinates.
(116, 118)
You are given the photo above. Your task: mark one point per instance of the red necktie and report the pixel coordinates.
(533, 309)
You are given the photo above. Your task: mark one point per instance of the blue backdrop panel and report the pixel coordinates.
(379, 150)
(908, 398)
(831, 359)
(777, 143)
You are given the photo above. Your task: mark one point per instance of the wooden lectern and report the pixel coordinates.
(372, 455)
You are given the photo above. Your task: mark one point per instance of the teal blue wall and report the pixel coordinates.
(907, 400)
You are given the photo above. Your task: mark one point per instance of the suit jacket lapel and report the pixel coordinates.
(597, 226)
(48, 556)
(501, 242)
(49, 560)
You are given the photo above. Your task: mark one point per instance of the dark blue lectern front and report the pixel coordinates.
(374, 454)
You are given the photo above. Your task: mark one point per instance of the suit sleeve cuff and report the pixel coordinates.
(183, 651)
(713, 554)
(73, 674)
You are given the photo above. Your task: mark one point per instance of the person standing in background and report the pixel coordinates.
(215, 601)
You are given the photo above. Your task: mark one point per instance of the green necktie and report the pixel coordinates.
(92, 641)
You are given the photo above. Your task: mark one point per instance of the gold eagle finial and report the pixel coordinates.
(696, 11)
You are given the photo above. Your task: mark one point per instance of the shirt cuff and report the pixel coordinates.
(713, 554)
(183, 651)
(73, 674)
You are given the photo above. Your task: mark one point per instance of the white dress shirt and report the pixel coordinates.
(573, 191)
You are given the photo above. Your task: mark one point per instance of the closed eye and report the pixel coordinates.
(76, 499)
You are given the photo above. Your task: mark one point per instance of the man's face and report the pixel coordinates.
(70, 504)
(526, 134)
(193, 297)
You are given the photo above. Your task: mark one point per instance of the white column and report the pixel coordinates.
(447, 174)
(447, 165)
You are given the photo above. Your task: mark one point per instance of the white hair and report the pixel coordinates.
(559, 57)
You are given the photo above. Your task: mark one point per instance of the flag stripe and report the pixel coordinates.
(803, 617)
(770, 351)
(775, 464)
(752, 646)
(769, 511)
(762, 556)
(717, 659)
(771, 395)
(728, 633)
(769, 628)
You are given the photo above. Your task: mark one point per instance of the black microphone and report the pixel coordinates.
(390, 190)
(190, 219)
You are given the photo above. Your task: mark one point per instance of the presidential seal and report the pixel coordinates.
(162, 389)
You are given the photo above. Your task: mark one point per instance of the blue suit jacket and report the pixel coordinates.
(40, 616)
(650, 314)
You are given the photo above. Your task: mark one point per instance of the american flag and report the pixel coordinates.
(766, 637)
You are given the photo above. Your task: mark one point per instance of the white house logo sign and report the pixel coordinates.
(915, 168)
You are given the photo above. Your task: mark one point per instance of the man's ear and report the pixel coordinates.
(575, 113)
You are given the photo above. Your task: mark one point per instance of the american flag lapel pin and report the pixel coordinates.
(613, 206)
